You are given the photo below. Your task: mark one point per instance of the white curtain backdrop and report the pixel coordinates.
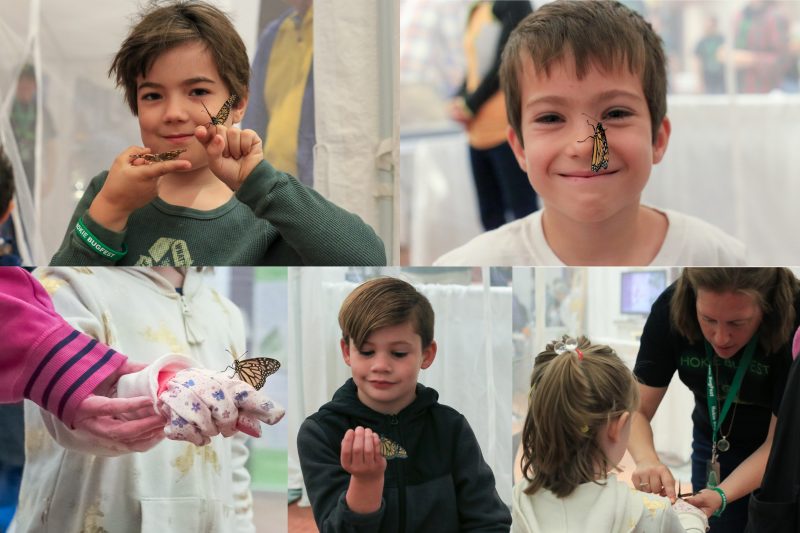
(472, 370)
(83, 122)
(355, 60)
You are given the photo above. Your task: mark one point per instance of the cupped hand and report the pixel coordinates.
(232, 153)
(361, 454)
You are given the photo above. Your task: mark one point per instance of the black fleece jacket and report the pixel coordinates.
(443, 486)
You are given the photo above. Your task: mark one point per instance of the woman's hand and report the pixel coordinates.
(654, 477)
(706, 500)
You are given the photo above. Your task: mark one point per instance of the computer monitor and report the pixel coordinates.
(639, 289)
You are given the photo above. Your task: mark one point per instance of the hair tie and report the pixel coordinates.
(580, 354)
(585, 428)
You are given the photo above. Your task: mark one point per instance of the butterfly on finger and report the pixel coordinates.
(220, 118)
(254, 371)
(157, 158)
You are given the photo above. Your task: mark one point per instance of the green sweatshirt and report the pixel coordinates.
(272, 220)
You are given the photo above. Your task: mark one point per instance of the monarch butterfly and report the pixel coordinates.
(254, 371)
(224, 111)
(163, 156)
(600, 150)
(391, 450)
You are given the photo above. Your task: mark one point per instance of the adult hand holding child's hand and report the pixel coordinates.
(129, 186)
(232, 153)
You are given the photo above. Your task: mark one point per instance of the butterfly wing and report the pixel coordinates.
(225, 110)
(391, 450)
(600, 150)
(255, 371)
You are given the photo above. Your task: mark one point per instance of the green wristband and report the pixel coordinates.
(94, 243)
(721, 493)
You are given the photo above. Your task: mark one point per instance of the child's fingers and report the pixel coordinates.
(369, 447)
(346, 455)
(156, 170)
(358, 447)
(250, 142)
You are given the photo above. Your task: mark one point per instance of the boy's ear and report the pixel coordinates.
(4, 216)
(519, 150)
(238, 110)
(345, 345)
(662, 140)
(428, 355)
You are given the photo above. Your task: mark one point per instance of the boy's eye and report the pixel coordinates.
(399, 354)
(199, 92)
(550, 118)
(150, 96)
(616, 113)
(366, 352)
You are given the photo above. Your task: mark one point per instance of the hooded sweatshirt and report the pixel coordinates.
(612, 507)
(444, 485)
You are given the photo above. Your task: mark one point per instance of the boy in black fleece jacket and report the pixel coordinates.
(384, 455)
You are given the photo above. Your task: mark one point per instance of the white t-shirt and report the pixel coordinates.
(611, 508)
(689, 242)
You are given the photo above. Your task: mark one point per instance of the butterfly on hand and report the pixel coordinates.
(254, 371)
(391, 450)
(223, 113)
(157, 158)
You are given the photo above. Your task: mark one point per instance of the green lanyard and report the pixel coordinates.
(744, 364)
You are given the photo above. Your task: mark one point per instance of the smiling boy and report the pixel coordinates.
(568, 67)
(440, 482)
(219, 202)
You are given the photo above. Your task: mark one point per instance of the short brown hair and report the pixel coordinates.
(573, 396)
(774, 289)
(383, 302)
(604, 34)
(163, 27)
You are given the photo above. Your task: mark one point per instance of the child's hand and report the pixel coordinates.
(129, 186)
(232, 153)
(361, 454)
(361, 457)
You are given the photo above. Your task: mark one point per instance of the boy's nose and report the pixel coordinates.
(175, 112)
(581, 142)
(381, 363)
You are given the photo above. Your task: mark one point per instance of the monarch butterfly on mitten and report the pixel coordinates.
(224, 111)
(600, 149)
(254, 371)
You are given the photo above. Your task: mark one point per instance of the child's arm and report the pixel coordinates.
(328, 483)
(479, 506)
(318, 231)
(106, 205)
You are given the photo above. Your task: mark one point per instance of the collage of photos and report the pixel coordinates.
(399, 266)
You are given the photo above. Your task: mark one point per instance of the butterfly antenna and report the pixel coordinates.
(209, 116)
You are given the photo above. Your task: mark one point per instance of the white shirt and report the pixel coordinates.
(689, 241)
(611, 508)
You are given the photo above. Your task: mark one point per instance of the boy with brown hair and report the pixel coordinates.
(198, 192)
(384, 455)
(585, 86)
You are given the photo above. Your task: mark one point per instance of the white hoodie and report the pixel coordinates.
(610, 508)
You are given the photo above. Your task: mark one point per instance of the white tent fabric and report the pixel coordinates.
(472, 370)
(71, 45)
(354, 80)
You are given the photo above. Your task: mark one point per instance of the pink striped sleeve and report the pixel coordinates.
(44, 358)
